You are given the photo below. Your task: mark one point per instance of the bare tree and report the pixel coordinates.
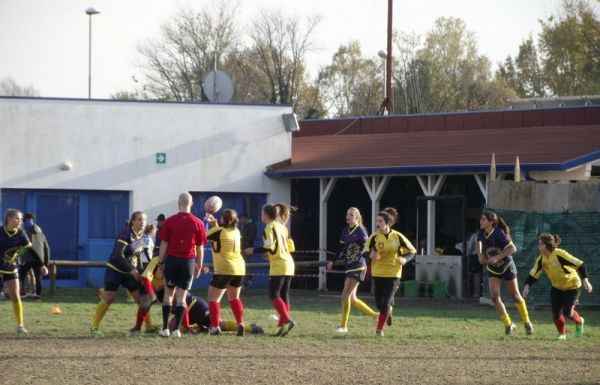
(9, 87)
(176, 64)
(280, 44)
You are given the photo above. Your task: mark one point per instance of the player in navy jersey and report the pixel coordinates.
(352, 241)
(13, 241)
(124, 266)
(494, 250)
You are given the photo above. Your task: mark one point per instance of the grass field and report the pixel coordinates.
(431, 342)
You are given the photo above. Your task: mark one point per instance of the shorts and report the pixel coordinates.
(113, 279)
(357, 275)
(508, 275)
(179, 272)
(199, 314)
(9, 277)
(221, 281)
(563, 301)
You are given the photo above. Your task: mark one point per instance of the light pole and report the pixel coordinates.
(91, 11)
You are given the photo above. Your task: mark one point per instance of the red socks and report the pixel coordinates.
(560, 324)
(237, 307)
(139, 319)
(381, 321)
(147, 285)
(214, 310)
(575, 317)
(281, 307)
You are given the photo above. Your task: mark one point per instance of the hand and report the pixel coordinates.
(205, 270)
(44, 271)
(265, 256)
(329, 266)
(401, 260)
(248, 251)
(481, 259)
(197, 270)
(210, 219)
(525, 291)
(492, 260)
(587, 285)
(375, 255)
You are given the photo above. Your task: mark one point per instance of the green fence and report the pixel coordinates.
(580, 234)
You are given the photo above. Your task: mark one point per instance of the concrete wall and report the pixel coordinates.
(112, 145)
(545, 197)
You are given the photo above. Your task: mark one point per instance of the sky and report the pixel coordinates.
(44, 43)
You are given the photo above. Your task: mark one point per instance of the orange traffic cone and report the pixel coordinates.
(55, 310)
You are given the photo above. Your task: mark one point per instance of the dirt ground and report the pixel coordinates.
(269, 360)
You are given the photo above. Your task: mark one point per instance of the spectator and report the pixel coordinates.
(159, 221)
(248, 231)
(182, 238)
(35, 258)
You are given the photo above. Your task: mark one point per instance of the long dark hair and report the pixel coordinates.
(497, 221)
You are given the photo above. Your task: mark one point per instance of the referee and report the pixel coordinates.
(180, 256)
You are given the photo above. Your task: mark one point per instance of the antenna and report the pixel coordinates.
(218, 86)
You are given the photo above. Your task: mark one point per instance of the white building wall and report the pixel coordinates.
(112, 145)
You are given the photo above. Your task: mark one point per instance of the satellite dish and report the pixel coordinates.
(218, 87)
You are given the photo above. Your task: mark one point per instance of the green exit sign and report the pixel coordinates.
(161, 158)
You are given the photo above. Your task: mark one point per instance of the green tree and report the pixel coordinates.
(351, 83)
(445, 72)
(524, 73)
(570, 48)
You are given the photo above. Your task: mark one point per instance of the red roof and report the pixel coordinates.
(431, 151)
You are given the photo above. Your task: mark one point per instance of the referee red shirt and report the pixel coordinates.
(183, 232)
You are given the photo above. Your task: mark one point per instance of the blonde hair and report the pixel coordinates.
(358, 215)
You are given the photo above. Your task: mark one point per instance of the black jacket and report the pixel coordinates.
(39, 246)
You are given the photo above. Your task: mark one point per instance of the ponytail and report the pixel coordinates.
(389, 215)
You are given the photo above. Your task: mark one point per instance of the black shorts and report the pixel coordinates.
(179, 272)
(357, 275)
(563, 301)
(113, 279)
(199, 314)
(221, 281)
(9, 277)
(508, 275)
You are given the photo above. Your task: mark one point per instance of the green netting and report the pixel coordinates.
(580, 234)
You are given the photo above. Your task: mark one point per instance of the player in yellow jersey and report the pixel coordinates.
(566, 274)
(229, 270)
(389, 250)
(276, 243)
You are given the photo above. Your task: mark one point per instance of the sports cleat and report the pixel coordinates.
(152, 329)
(241, 330)
(340, 330)
(529, 328)
(389, 320)
(164, 333)
(255, 329)
(95, 332)
(214, 331)
(579, 328)
(561, 337)
(379, 333)
(278, 332)
(21, 330)
(176, 334)
(36, 297)
(135, 331)
(287, 327)
(509, 329)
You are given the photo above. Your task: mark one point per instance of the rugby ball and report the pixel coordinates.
(213, 204)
